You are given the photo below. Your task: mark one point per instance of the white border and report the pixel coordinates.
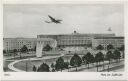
(63, 75)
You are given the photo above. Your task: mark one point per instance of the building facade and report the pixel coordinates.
(104, 41)
(74, 39)
(9, 44)
(64, 40)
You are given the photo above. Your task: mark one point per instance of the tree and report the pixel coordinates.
(92, 59)
(122, 49)
(43, 68)
(4, 51)
(14, 51)
(34, 68)
(76, 61)
(66, 65)
(53, 67)
(34, 49)
(58, 46)
(99, 47)
(109, 56)
(117, 55)
(47, 47)
(88, 58)
(84, 59)
(24, 49)
(109, 47)
(98, 58)
(59, 64)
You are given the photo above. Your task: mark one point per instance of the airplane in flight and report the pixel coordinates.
(53, 20)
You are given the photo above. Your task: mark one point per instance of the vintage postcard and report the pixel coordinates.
(63, 39)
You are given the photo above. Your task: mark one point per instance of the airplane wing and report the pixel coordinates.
(59, 20)
(47, 22)
(51, 18)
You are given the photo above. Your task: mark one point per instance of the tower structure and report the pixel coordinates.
(109, 30)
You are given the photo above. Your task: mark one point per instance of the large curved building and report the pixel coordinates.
(74, 39)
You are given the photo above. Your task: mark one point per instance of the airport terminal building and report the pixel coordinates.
(64, 40)
(74, 39)
(85, 40)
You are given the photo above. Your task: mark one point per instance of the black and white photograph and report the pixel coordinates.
(63, 38)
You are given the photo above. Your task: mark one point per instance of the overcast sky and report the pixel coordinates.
(28, 20)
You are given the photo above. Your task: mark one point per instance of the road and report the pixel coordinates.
(114, 67)
(11, 65)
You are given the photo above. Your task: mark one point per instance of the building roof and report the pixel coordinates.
(75, 33)
(19, 38)
(79, 34)
(121, 37)
(44, 39)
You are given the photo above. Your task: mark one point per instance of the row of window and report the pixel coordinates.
(74, 41)
(8, 50)
(47, 42)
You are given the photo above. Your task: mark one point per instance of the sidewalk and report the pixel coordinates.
(92, 68)
(10, 66)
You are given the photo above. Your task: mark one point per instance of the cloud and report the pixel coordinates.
(28, 20)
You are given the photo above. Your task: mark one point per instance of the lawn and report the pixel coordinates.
(22, 64)
(5, 68)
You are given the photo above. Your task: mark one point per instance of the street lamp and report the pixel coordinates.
(27, 64)
(103, 61)
(20, 55)
(14, 56)
(97, 66)
(108, 67)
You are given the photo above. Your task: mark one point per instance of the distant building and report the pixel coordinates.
(63, 40)
(74, 39)
(104, 41)
(10, 44)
